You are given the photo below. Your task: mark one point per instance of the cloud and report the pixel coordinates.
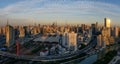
(48, 8)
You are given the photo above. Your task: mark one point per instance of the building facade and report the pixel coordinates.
(10, 37)
(70, 40)
(107, 22)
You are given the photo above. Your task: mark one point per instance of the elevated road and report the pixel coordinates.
(50, 58)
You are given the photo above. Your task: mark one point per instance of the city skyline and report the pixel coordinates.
(25, 12)
(59, 32)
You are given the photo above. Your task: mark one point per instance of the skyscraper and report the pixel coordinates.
(9, 35)
(93, 26)
(107, 26)
(107, 22)
(99, 41)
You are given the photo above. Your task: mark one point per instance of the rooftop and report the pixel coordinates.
(47, 39)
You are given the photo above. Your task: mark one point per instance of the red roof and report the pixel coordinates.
(44, 50)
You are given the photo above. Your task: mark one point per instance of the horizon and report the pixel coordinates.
(28, 12)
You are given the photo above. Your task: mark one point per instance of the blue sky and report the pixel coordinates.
(26, 12)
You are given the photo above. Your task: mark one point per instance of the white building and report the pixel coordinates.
(44, 53)
(65, 39)
(70, 40)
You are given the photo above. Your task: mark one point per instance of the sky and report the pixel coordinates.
(25, 12)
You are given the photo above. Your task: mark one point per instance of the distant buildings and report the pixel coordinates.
(10, 36)
(106, 31)
(61, 39)
(0, 30)
(93, 27)
(116, 32)
(107, 35)
(21, 32)
(35, 30)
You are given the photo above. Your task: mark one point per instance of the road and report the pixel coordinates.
(50, 58)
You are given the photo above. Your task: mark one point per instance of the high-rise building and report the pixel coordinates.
(35, 30)
(65, 39)
(0, 30)
(38, 29)
(116, 31)
(62, 29)
(99, 41)
(83, 26)
(90, 32)
(4, 30)
(93, 27)
(96, 27)
(21, 32)
(10, 37)
(105, 35)
(70, 40)
(104, 42)
(107, 22)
